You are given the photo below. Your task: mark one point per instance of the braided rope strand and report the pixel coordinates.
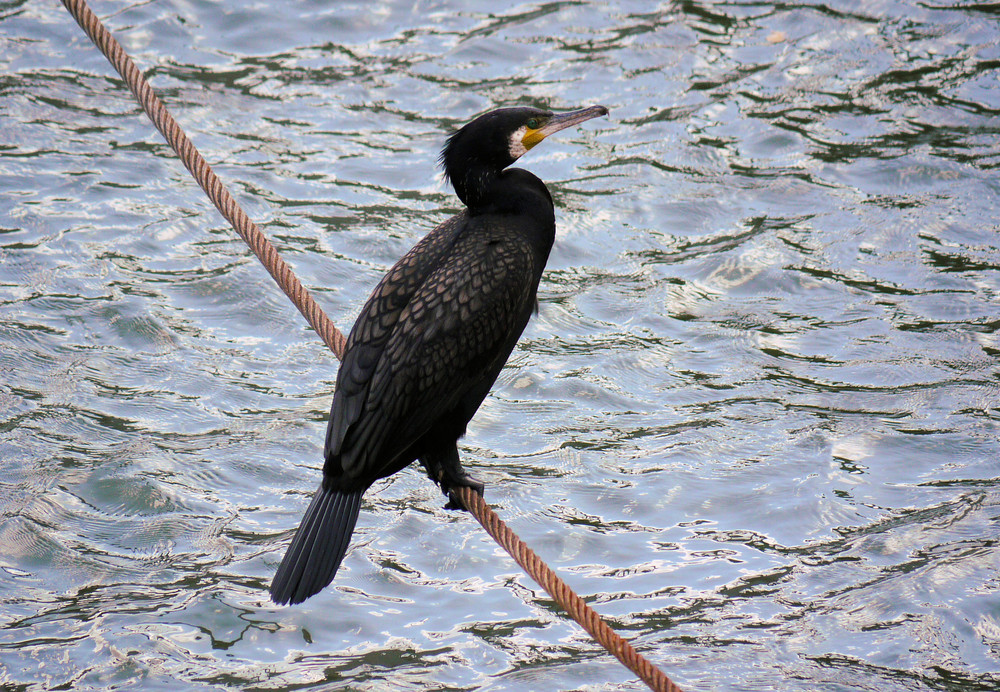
(334, 339)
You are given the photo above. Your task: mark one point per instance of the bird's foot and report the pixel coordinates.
(448, 486)
(444, 468)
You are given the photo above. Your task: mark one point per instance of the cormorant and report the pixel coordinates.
(433, 336)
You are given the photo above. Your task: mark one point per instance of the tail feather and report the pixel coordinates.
(319, 546)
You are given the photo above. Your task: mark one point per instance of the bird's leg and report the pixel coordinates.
(444, 468)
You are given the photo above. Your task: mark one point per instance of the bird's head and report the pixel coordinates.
(495, 140)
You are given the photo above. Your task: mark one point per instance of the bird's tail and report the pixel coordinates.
(318, 547)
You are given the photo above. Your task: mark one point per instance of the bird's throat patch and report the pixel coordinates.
(517, 146)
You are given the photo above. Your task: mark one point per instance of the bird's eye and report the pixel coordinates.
(533, 123)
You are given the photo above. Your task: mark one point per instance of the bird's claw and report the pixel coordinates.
(448, 486)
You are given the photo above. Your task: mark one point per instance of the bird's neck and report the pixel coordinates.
(510, 191)
(476, 186)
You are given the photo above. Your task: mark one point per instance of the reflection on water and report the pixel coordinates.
(755, 420)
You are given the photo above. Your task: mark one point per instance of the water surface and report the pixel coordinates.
(755, 422)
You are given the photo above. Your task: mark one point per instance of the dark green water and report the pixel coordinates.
(755, 422)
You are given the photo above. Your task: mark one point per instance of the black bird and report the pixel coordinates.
(433, 336)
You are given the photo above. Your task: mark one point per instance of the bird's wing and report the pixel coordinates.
(455, 332)
(375, 324)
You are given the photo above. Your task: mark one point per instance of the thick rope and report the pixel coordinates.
(301, 298)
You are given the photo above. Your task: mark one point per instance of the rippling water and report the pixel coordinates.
(755, 422)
